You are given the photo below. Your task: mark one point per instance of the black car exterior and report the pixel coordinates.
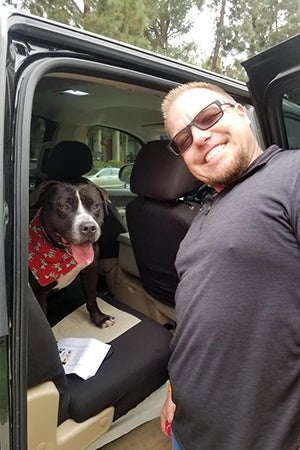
(31, 47)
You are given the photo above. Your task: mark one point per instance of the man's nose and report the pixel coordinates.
(200, 136)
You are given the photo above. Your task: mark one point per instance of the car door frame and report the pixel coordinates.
(5, 374)
(271, 73)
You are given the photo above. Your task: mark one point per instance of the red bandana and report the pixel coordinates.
(46, 262)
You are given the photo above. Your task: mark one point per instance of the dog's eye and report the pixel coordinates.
(63, 206)
(96, 206)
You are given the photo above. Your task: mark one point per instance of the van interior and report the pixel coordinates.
(150, 192)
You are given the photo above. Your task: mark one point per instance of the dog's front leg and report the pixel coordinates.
(89, 278)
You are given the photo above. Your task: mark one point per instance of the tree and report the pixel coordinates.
(159, 25)
(215, 58)
(122, 20)
(247, 27)
(65, 11)
(169, 23)
(242, 27)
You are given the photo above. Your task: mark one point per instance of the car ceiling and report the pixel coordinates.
(113, 104)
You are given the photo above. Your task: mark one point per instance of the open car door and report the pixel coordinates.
(274, 85)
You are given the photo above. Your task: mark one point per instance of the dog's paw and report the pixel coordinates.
(109, 321)
(103, 321)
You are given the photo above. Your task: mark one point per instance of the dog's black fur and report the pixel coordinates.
(72, 213)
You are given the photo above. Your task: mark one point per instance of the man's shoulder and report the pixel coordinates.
(283, 169)
(289, 158)
(277, 166)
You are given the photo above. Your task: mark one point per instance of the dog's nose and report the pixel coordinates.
(88, 228)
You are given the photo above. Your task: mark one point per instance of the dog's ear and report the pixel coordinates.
(105, 198)
(36, 197)
(103, 193)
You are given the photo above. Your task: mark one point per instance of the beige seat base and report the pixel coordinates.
(43, 434)
(144, 412)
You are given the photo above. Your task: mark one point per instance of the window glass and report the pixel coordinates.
(291, 115)
(38, 130)
(111, 150)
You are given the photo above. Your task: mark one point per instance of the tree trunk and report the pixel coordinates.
(219, 30)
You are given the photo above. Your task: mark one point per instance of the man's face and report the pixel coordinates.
(220, 154)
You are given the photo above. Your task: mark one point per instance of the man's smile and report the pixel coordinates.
(213, 152)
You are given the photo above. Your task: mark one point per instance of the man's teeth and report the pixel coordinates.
(214, 152)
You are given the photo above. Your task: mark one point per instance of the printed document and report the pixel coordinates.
(82, 356)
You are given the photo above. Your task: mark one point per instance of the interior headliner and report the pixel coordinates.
(122, 106)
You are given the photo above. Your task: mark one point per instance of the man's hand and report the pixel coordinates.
(167, 414)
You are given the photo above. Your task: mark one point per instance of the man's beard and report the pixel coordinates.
(238, 168)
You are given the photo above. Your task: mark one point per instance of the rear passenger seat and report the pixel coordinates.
(64, 411)
(61, 408)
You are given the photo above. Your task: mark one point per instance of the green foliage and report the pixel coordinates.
(158, 25)
(249, 27)
(110, 163)
(65, 11)
(169, 22)
(124, 21)
(242, 27)
(114, 163)
(99, 164)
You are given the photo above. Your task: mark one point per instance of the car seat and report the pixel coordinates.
(66, 412)
(158, 219)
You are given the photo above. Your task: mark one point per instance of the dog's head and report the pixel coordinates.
(71, 215)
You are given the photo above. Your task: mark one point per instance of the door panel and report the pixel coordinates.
(4, 351)
(274, 82)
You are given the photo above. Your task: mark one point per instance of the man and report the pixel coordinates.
(235, 364)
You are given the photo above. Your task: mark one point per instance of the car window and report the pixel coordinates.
(113, 118)
(291, 116)
(38, 129)
(113, 148)
(103, 172)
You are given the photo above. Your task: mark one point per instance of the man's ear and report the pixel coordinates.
(240, 109)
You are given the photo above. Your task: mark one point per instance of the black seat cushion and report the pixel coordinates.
(113, 225)
(158, 218)
(156, 230)
(136, 368)
(43, 360)
(158, 173)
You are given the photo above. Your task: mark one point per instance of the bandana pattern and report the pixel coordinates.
(46, 262)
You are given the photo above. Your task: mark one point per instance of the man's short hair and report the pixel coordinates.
(179, 90)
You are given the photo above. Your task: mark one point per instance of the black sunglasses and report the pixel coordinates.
(205, 119)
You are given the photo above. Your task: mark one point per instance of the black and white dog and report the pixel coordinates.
(63, 239)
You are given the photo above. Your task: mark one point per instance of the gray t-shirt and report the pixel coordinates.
(235, 364)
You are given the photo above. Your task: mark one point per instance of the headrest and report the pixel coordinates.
(159, 174)
(67, 160)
